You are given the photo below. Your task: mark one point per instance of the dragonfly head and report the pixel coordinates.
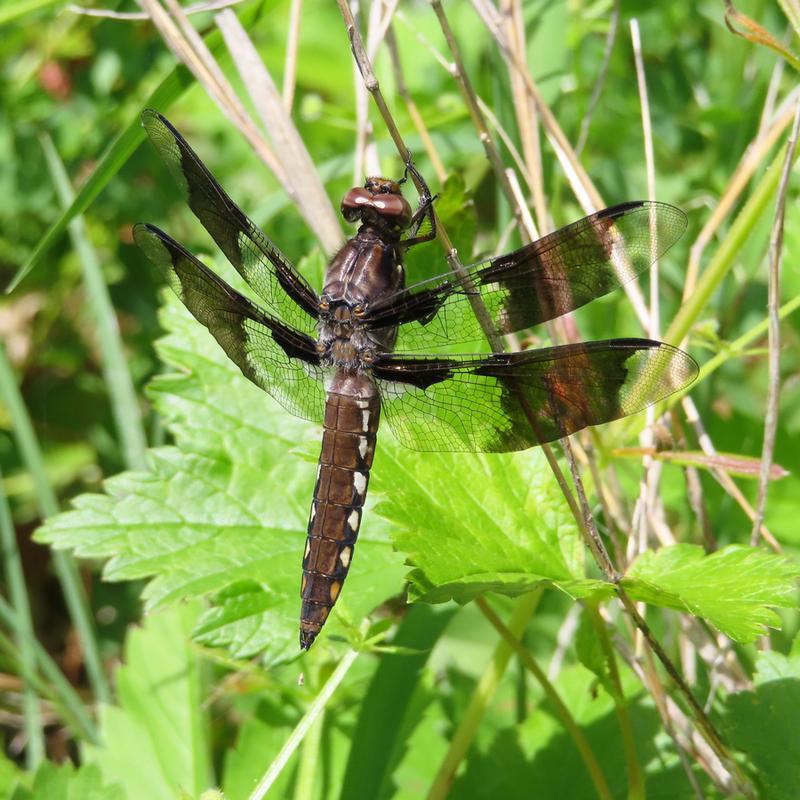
(379, 202)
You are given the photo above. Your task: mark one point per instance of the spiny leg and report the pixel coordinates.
(424, 210)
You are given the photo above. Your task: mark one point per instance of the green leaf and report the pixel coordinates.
(227, 507)
(763, 724)
(14, 781)
(735, 588)
(388, 717)
(590, 653)
(243, 620)
(154, 741)
(477, 523)
(538, 753)
(260, 739)
(66, 782)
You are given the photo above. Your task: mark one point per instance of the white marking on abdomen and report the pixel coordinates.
(365, 419)
(362, 446)
(354, 520)
(344, 556)
(360, 482)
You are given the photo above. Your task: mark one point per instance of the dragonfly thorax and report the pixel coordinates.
(343, 341)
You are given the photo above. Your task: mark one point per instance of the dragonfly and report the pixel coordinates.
(368, 347)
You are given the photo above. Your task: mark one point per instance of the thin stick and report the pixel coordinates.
(103, 13)
(290, 60)
(411, 106)
(721, 476)
(527, 118)
(585, 519)
(460, 74)
(774, 287)
(636, 789)
(650, 471)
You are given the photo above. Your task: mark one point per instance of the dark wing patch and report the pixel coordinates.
(538, 282)
(513, 401)
(284, 291)
(282, 361)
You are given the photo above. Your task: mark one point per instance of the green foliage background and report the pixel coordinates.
(205, 690)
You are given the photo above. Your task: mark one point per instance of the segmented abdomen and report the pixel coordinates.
(352, 411)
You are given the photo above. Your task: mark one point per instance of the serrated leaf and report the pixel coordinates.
(473, 523)
(241, 620)
(154, 741)
(229, 503)
(735, 588)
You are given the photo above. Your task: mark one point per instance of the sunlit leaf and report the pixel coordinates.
(736, 589)
(472, 524)
(159, 717)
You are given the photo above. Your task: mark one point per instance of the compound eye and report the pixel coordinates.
(354, 202)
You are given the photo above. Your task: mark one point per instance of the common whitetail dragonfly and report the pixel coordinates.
(347, 356)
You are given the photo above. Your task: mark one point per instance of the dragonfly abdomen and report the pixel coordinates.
(352, 411)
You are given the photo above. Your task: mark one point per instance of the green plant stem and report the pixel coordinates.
(24, 635)
(727, 252)
(122, 394)
(302, 728)
(511, 640)
(64, 564)
(636, 783)
(481, 696)
(738, 346)
(75, 711)
(309, 760)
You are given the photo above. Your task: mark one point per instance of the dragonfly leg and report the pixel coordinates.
(424, 210)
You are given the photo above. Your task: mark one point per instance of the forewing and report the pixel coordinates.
(282, 361)
(513, 401)
(284, 291)
(538, 282)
